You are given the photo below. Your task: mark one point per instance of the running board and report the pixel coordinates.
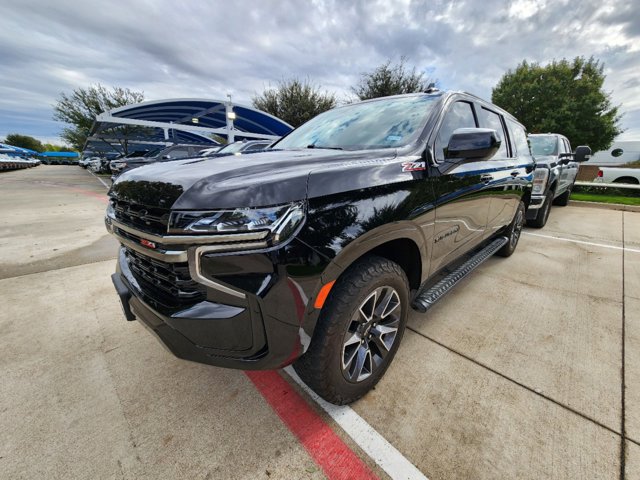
(426, 298)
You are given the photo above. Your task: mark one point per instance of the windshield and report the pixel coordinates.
(232, 148)
(542, 145)
(384, 123)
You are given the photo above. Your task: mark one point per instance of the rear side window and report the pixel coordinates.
(489, 119)
(459, 115)
(520, 139)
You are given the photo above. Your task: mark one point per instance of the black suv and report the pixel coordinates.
(315, 250)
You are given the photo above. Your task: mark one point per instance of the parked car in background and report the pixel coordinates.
(555, 174)
(618, 175)
(237, 148)
(164, 154)
(314, 251)
(117, 164)
(99, 165)
(84, 162)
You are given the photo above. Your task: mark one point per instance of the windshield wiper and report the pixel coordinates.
(324, 148)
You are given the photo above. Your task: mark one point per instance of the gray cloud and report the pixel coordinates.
(209, 49)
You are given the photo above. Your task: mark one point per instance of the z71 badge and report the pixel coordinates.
(413, 166)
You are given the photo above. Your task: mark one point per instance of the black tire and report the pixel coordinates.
(543, 212)
(563, 200)
(322, 367)
(513, 232)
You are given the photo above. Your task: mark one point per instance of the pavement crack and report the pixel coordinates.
(522, 385)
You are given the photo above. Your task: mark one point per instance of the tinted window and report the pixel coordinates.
(520, 140)
(489, 119)
(382, 123)
(459, 115)
(179, 153)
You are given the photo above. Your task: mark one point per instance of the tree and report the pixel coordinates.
(50, 147)
(80, 108)
(24, 141)
(388, 79)
(563, 97)
(295, 101)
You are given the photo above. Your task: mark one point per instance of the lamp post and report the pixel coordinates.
(231, 115)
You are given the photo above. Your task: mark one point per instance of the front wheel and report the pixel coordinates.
(543, 212)
(358, 332)
(563, 200)
(513, 232)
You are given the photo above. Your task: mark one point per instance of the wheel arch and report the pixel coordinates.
(627, 179)
(403, 244)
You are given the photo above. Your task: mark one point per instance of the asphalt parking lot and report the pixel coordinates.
(529, 369)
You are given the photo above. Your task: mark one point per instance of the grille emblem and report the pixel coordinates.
(146, 243)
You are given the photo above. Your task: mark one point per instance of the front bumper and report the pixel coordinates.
(250, 309)
(534, 206)
(536, 202)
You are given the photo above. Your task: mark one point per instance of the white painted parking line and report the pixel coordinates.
(603, 245)
(99, 179)
(368, 439)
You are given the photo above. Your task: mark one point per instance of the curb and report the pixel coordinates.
(605, 206)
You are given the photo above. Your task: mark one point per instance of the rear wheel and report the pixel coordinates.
(513, 232)
(543, 212)
(358, 332)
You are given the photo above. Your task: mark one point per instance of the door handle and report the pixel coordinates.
(486, 178)
(515, 173)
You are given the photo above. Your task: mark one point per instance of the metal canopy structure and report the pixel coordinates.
(186, 120)
(13, 150)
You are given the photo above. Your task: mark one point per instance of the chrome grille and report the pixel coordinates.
(147, 219)
(166, 284)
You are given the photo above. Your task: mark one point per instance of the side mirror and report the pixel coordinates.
(565, 158)
(583, 153)
(473, 144)
(166, 157)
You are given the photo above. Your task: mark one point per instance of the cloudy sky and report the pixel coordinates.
(209, 49)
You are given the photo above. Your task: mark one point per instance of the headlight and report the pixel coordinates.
(281, 221)
(111, 212)
(540, 181)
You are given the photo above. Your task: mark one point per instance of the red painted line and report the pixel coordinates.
(337, 460)
(88, 193)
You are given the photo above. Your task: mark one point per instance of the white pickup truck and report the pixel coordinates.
(618, 175)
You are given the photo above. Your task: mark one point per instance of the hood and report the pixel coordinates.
(248, 180)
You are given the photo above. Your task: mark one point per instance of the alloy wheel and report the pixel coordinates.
(517, 228)
(371, 334)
